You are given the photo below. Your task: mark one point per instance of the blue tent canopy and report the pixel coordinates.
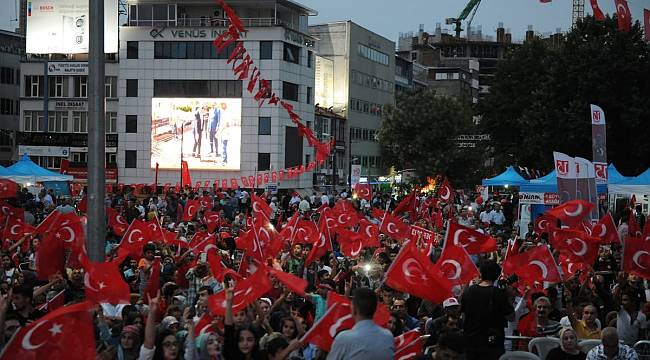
(615, 177)
(509, 177)
(26, 170)
(636, 185)
(548, 182)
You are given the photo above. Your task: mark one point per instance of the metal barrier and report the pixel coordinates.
(642, 348)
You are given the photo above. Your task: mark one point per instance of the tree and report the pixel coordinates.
(539, 101)
(417, 134)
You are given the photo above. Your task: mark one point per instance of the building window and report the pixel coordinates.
(111, 158)
(131, 49)
(57, 121)
(290, 91)
(6, 75)
(131, 124)
(33, 121)
(263, 161)
(309, 95)
(79, 121)
(6, 106)
(49, 162)
(190, 50)
(307, 159)
(264, 127)
(80, 157)
(131, 87)
(266, 50)
(130, 159)
(269, 92)
(57, 87)
(310, 58)
(81, 86)
(111, 86)
(111, 122)
(292, 53)
(33, 86)
(372, 54)
(198, 88)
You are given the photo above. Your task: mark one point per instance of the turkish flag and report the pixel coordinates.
(103, 283)
(636, 256)
(633, 228)
(69, 228)
(261, 210)
(293, 283)
(345, 218)
(571, 268)
(623, 15)
(54, 303)
(446, 192)
(49, 220)
(351, 242)
(512, 249)
(343, 206)
(404, 340)
(116, 221)
(16, 228)
(289, 230)
(572, 212)
(170, 238)
(157, 234)
(544, 224)
(245, 293)
(606, 230)
(153, 287)
(370, 232)
(206, 202)
(218, 270)
(306, 232)
(598, 14)
(646, 24)
(408, 205)
(82, 206)
(202, 242)
(336, 319)
(323, 245)
(456, 265)
(212, 220)
(473, 241)
(411, 272)
(391, 226)
(66, 333)
(8, 189)
(185, 173)
(190, 210)
(136, 236)
(363, 191)
(205, 325)
(646, 231)
(535, 265)
(50, 257)
(577, 245)
(411, 350)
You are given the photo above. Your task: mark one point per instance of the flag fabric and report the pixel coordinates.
(293, 283)
(82, 206)
(261, 210)
(153, 287)
(572, 212)
(577, 246)
(446, 192)
(391, 226)
(16, 228)
(633, 228)
(636, 256)
(185, 173)
(245, 293)
(411, 350)
(623, 15)
(351, 242)
(363, 191)
(345, 217)
(605, 229)
(370, 232)
(50, 257)
(411, 272)
(598, 14)
(473, 241)
(382, 314)
(103, 283)
(404, 340)
(571, 269)
(322, 246)
(456, 265)
(306, 232)
(212, 220)
(65, 333)
(134, 239)
(408, 205)
(116, 221)
(8, 189)
(54, 303)
(289, 230)
(336, 319)
(535, 265)
(216, 266)
(191, 209)
(544, 224)
(646, 24)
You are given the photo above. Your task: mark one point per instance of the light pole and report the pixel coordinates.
(330, 138)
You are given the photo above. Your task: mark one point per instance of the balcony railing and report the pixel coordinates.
(205, 22)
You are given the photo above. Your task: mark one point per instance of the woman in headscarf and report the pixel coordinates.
(209, 347)
(568, 349)
(129, 348)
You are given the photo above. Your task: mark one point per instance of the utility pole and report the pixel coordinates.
(96, 227)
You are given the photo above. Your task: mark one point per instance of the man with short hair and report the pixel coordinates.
(399, 306)
(366, 340)
(611, 349)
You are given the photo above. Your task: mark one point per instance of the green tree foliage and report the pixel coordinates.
(417, 132)
(539, 101)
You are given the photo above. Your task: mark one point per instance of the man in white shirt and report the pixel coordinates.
(484, 216)
(496, 216)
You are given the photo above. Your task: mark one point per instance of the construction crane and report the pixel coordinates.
(469, 11)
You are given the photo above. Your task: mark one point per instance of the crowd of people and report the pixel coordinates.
(481, 319)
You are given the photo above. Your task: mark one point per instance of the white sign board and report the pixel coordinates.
(60, 151)
(355, 176)
(61, 26)
(67, 68)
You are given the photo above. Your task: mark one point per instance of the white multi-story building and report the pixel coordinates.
(171, 90)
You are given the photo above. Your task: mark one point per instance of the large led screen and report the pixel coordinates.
(61, 26)
(207, 130)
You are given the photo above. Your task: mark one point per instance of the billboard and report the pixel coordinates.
(61, 26)
(207, 130)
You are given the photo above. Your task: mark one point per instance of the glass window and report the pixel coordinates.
(264, 127)
(310, 58)
(81, 86)
(80, 122)
(131, 49)
(291, 53)
(111, 122)
(111, 86)
(130, 159)
(290, 91)
(131, 87)
(263, 161)
(266, 50)
(309, 95)
(131, 125)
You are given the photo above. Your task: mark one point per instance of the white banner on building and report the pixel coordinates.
(60, 151)
(355, 175)
(67, 68)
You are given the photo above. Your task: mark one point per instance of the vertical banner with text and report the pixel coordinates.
(355, 175)
(566, 171)
(599, 143)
